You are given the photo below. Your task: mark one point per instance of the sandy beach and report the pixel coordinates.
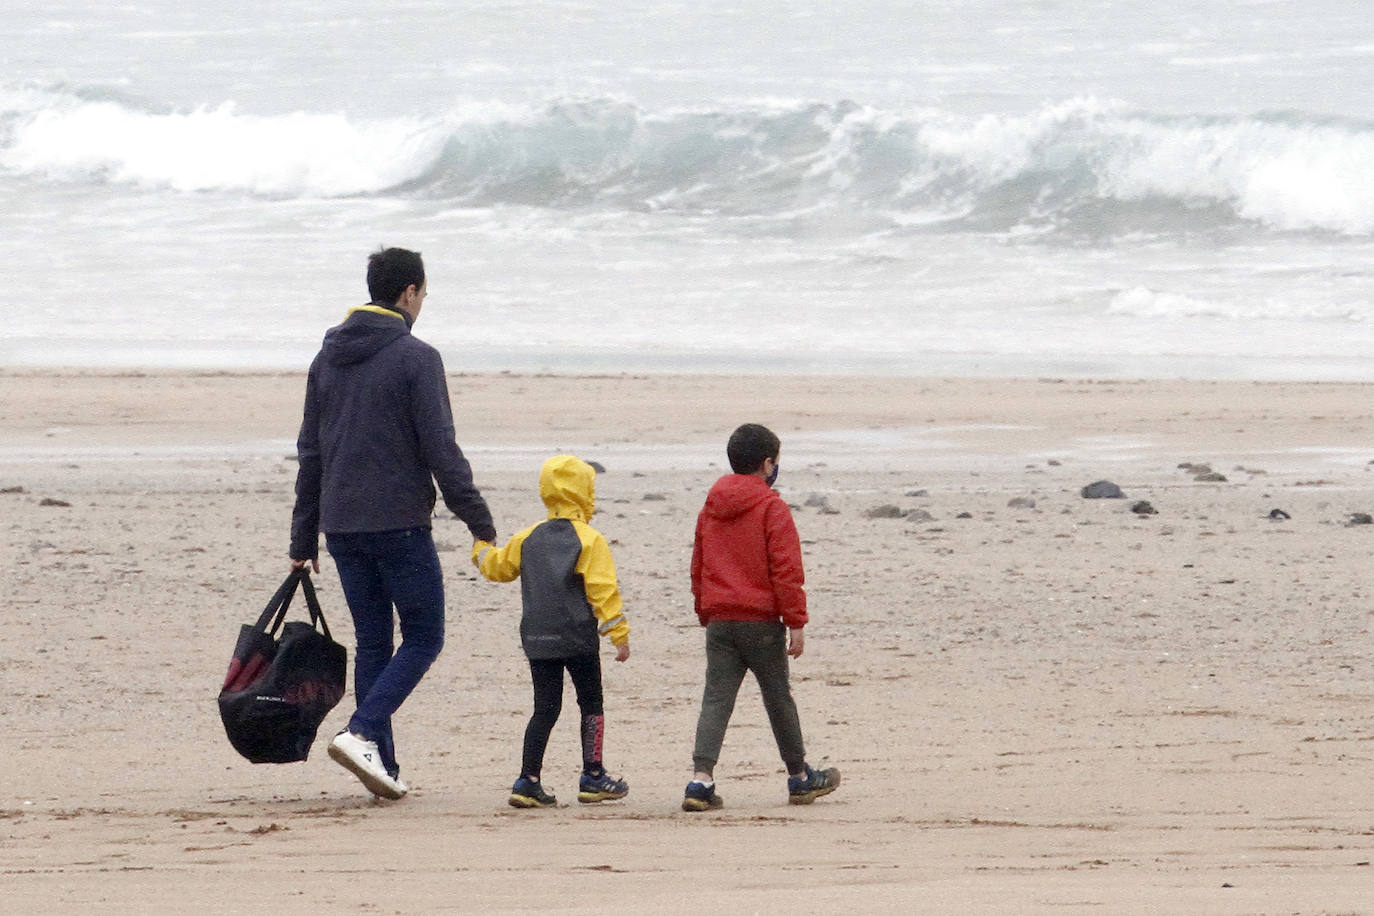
(1040, 703)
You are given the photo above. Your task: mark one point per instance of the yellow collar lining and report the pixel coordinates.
(377, 310)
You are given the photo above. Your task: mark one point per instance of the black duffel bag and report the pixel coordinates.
(278, 690)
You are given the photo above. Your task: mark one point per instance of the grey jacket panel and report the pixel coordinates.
(557, 621)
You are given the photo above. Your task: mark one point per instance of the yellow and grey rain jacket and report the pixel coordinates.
(567, 577)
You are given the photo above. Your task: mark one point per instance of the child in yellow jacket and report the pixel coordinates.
(569, 598)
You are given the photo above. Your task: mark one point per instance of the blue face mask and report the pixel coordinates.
(773, 477)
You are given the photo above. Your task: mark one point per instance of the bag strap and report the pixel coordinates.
(278, 603)
(316, 614)
(274, 614)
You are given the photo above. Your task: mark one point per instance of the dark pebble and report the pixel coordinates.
(1103, 489)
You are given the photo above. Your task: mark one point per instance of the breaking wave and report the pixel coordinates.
(1081, 166)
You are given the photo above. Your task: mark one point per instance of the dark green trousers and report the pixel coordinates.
(732, 648)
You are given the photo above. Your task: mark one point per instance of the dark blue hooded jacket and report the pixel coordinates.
(376, 435)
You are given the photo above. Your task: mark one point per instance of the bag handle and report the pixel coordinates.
(270, 620)
(275, 611)
(277, 604)
(313, 603)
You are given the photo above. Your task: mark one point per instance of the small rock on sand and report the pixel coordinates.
(1102, 489)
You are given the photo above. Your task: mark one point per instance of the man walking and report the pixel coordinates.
(376, 435)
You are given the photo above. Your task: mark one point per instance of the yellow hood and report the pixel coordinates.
(567, 484)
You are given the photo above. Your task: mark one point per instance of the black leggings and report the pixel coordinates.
(547, 675)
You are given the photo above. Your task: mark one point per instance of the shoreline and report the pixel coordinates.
(851, 422)
(273, 357)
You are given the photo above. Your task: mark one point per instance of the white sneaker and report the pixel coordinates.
(361, 758)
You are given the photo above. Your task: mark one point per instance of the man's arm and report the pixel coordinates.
(432, 416)
(305, 515)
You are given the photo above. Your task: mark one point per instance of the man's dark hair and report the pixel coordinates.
(390, 271)
(749, 445)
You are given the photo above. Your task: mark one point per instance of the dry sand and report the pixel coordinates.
(1064, 707)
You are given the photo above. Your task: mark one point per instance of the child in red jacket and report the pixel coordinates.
(748, 584)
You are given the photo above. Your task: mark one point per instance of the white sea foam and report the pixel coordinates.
(217, 149)
(1058, 165)
(1146, 303)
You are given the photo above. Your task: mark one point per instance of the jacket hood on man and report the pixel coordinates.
(366, 331)
(735, 494)
(567, 484)
(377, 435)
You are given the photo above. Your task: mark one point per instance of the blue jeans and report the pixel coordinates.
(381, 571)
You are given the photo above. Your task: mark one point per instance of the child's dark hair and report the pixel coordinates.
(390, 271)
(749, 446)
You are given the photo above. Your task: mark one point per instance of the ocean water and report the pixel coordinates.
(1182, 188)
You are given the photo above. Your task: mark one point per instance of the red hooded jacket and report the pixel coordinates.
(746, 560)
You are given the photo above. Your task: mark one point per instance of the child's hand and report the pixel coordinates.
(796, 643)
(622, 652)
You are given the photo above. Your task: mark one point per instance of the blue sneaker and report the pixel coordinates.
(604, 787)
(528, 793)
(806, 789)
(700, 797)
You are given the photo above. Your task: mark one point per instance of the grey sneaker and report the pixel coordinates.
(806, 789)
(360, 757)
